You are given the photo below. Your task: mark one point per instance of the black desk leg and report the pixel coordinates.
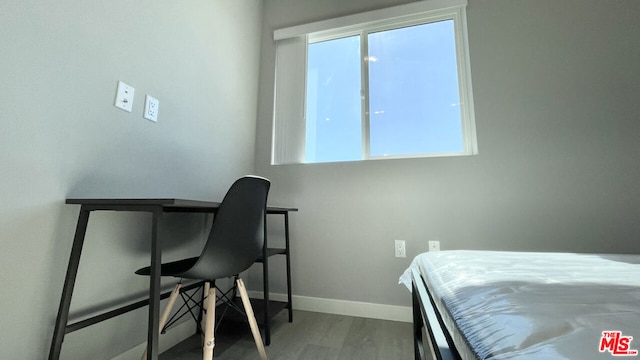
(265, 279)
(69, 282)
(154, 290)
(288, 259)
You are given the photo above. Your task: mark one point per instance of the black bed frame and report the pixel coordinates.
(427, 320)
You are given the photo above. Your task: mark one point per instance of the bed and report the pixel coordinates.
(524, 305)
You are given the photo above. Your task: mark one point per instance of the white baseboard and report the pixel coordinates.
(344, 307)
(172, 337)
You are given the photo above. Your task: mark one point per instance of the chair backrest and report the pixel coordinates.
(237, 235)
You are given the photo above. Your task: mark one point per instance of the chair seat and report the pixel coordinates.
(171, 268)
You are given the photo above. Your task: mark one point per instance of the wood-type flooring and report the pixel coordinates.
(313, 336)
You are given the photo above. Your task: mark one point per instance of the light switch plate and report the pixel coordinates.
(124, 96)
(151, 105)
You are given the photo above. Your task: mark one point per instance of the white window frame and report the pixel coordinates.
(291, 55)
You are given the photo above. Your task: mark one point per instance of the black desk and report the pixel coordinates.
(156, 207)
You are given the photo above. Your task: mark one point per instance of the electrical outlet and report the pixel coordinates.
(124, 96)
(434, 245)
(151, 105)
(401, 250)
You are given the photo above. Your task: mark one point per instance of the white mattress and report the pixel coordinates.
(515, 305)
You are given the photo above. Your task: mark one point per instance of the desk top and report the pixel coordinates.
(167, 204)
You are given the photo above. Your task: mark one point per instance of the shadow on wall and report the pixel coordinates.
(158, 169)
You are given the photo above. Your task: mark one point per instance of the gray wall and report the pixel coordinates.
(556, 88)
(62, 137)
(557, 99)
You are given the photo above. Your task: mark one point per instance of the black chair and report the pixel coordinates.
(236, 241)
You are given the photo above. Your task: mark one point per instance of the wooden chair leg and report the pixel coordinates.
(167, 311)
(209, 323)
(252, 319)
(203, 319)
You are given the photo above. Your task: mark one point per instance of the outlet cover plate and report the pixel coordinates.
(151, 105)
(434, 245)
(401, 249)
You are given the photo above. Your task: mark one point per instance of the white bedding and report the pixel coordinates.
(515, 305)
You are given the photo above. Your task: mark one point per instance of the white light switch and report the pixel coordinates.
(124, 96)
(151, 105)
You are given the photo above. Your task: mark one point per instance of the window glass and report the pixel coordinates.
(413, 91)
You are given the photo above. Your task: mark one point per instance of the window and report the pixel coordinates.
(392, 83)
